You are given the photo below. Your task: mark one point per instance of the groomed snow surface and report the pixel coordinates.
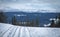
(8, 30)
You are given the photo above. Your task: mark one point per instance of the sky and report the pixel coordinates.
(30, 5)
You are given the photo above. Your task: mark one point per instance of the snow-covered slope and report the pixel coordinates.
(8, 30)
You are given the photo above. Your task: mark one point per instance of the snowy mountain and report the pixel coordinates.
(9, 30)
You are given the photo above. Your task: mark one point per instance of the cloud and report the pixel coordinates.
(31, 5)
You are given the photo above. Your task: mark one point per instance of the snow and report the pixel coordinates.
(9, 30)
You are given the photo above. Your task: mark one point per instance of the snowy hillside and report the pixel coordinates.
(8, 30)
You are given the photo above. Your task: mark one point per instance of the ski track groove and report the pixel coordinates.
(6, 31)
(29, 32)
(19, 32)
(14, 32)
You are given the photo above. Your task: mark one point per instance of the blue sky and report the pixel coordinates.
(30, 5)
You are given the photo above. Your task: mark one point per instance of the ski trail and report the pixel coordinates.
(24, 32)
(12, 33)
(8, 32)
(5, 31)
(21, 32)
(4, 28)
(17, 33)
(27, 32)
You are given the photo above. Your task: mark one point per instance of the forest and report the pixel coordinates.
(32, 23)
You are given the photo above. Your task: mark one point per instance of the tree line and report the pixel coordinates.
(3, 19)
(26, 23)
(56, 22)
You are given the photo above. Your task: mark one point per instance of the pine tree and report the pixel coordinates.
(14, 21)
(52, 23)
(32, 23)
(58, 24)
(27, 21)
(37, 21)
(3, 17)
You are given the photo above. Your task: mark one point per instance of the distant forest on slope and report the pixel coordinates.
(31, 23)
